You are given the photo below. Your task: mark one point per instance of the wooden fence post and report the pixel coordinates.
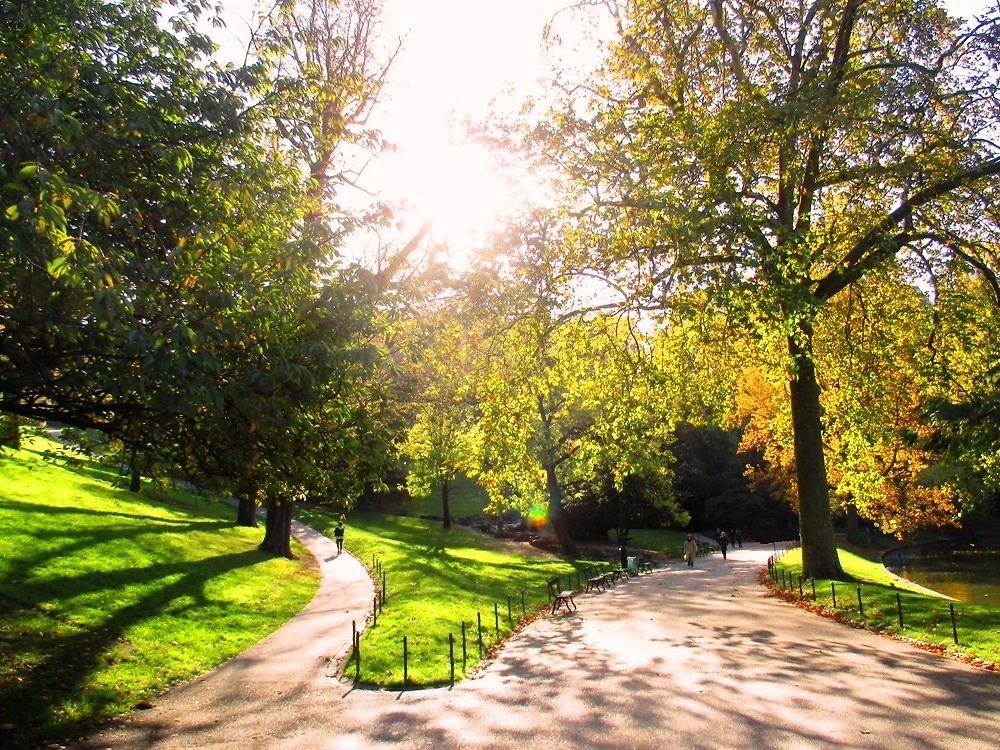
(451, 656)
(954, 627)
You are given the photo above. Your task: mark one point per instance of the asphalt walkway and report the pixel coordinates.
(680, 658)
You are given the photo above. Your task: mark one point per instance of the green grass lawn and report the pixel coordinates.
(925, 618)
(107, 597)
(436, 579)
(465, 498)
(670, 543)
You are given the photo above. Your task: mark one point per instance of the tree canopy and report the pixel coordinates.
(159, 283)
(793, 203)
(775, 154)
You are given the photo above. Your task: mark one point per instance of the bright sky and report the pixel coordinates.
(457, 57)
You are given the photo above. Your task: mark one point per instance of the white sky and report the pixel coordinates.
(458, 55)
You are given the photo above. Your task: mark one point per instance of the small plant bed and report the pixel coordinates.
(875, 599)
(436, 579)
(109, 596)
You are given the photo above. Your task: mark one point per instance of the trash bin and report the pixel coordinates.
(632, 565)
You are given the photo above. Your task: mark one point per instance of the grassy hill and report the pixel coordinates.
(107, 597)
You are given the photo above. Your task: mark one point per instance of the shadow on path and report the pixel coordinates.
(685, 658)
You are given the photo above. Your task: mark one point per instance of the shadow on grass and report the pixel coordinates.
(51, 510)
(19, 568)
(64, 657)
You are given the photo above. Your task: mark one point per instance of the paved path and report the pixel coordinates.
(680, 658)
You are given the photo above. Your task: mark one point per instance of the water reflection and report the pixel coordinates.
(969, 573)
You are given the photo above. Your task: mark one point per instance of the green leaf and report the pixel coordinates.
(58, 266)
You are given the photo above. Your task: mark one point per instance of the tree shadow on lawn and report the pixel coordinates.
(50, 510)
(20, 567)
(65, 660)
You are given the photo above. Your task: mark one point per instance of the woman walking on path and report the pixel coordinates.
(338, 536)
(690, 550)
(723, 543)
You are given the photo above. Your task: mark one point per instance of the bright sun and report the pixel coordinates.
(461, 62)
(461, 192)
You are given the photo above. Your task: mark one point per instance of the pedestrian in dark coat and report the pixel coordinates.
(338, 536)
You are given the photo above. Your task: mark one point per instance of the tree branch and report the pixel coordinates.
(873, 247)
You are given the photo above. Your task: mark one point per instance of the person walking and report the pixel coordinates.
(338, 536)
(690, 550)
(723, 543)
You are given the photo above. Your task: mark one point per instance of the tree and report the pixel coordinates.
(563, 402)
(774, 154)
(331, 66)
(298, 409)
(874, 345)
(163, 276)
(436, 441)
(139, 213)
(963, 412)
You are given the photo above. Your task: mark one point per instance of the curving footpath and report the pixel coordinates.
(680, 658)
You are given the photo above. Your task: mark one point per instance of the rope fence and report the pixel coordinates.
(505, 622)
(876, 607)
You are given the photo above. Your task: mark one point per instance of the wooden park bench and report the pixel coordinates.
(560, 597)
(595, 581)
(616, 573)
(645, 566)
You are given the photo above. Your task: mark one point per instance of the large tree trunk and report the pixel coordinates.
(135, 482)
(246, 512)
(819, 550)
(556, 514)
(278, 529)
(852, 523)
(445, 509)
(10, 431)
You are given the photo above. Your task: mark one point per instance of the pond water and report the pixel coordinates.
(969, 573)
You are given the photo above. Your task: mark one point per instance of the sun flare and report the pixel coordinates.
(457, 188)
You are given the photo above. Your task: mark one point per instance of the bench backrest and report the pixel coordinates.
(554, 588)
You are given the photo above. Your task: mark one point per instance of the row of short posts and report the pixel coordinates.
(778, 576)
(379, 574)
(377, 609)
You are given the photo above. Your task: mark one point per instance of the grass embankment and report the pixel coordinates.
(669, 543)
(435, 580)
(107, 597)
(465, 498)
(926, 618)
